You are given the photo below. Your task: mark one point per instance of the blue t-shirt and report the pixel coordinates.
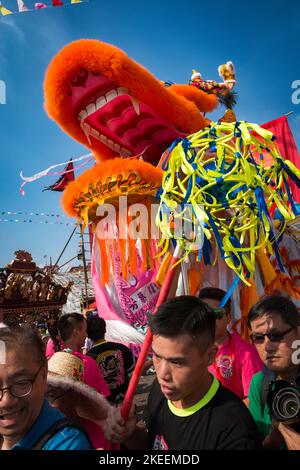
(67, 438)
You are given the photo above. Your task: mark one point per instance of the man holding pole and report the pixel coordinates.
(188, 409)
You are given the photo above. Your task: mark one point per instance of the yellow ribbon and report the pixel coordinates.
(214, 172)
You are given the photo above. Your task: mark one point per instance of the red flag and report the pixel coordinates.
(287, 146)
(57, 3)
(64, 180)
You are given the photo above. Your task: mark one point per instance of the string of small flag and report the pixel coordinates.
(30, 221)
(37, 6)
(43, 214)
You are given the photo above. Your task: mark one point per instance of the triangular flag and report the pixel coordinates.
(57, 3)
(64, 180)
(22, 6)
(4, 10)
(38, 6)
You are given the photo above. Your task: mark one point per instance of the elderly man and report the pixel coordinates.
(27, 421)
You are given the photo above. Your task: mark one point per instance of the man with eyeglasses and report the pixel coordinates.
(275, 330)
(236, 360)
(27, 421)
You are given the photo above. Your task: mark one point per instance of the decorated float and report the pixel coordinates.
(29, 295)
(159, 158)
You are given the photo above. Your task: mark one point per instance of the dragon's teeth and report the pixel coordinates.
(135, 104)
(112, 94)
(100, 102)
(82, 115)
(91, 108)
(122, 91)
(94, 133)
(125, 152)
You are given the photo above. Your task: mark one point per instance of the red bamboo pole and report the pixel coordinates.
(128, 400)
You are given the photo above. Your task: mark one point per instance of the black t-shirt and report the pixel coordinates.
(115, 362)
(224, 423)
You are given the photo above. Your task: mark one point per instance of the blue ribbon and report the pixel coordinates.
(216, 233)
(229, 292)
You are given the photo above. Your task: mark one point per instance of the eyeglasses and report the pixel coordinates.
(258, 338)
(21, 389)
(219, 313)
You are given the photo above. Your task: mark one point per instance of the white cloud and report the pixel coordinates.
(8, 27)
(9, 22)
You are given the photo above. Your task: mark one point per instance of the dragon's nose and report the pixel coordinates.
(79, 78)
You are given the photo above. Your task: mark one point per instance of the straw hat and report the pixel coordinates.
(65, 374)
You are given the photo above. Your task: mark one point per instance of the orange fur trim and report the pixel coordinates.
(202, 100)
(108, 60)
(91, 188)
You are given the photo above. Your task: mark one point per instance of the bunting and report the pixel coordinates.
(43, 214)
(30, 221)
(21, 5)
(4, 10)
(37, 6)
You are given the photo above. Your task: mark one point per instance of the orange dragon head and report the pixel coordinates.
(114, 106)
(117, 108)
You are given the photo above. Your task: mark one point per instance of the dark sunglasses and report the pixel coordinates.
(258, 338)
(219, 313)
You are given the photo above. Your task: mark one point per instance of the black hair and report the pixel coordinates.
(67, 324)
(20, 336)
(275, 304)
(216, 294)
(183, 315)
(96, 327)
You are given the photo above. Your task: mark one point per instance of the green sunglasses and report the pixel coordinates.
(219, 313)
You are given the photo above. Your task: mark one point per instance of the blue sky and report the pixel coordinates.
(170, 39)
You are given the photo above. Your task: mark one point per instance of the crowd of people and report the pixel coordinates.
(212, 389)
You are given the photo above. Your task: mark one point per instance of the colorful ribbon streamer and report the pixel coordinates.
(41, 174)
(213, 181)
